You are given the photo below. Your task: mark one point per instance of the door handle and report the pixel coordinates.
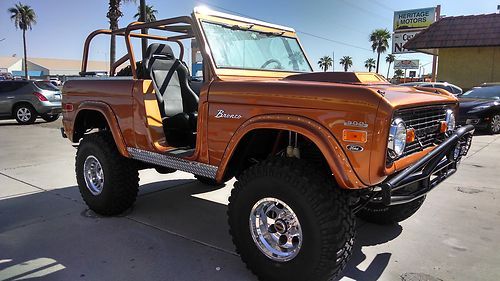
(10, 98)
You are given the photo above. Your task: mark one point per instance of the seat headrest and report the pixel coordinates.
(160, 50)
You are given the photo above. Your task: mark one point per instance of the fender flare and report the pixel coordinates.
(110, 117)
(317, 133)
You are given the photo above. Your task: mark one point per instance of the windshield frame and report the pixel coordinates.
(250, 28)
(258, 26)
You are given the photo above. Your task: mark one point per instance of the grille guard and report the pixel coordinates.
(429, 171)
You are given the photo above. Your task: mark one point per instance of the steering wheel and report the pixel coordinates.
(268, 62)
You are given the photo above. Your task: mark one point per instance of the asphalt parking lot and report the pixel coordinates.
(177, 229)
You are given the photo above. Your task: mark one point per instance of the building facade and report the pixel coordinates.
(468, 48)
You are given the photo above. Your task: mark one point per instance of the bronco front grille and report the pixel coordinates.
(426, 123)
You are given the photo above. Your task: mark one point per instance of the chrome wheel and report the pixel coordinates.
(275, 229)
(23, 114)
(94, 175)
(495, 124)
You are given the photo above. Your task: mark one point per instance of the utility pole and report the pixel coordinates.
(435, 57)
(333, 61)
(144, 41)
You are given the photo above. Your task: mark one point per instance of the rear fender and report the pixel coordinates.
(110, 117)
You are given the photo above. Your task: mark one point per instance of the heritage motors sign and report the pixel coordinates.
(414, 19)
(408, 24)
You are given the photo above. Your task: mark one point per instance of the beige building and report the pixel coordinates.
(44, 68)
(468, 48)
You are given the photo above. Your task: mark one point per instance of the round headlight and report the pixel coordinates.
(397, 138)
(450, 120)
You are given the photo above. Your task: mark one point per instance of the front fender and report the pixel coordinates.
(339, 164)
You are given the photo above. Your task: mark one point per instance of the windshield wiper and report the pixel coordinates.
(251, 26)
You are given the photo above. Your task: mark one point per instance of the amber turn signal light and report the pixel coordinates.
(444, 127)
(354, 136)
(410, 135)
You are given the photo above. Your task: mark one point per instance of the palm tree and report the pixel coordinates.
(325, 63)
(398, 73)
(114, 14)
(370, 63)
(380, 42)
(389, 59)
(150, 13)
(24, 17)
(346, 61)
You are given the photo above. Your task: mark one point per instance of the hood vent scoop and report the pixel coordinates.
(360, 78)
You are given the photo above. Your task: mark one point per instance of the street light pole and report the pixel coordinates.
(144, 41)
(333, 61)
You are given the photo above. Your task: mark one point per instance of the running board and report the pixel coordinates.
(173, 162)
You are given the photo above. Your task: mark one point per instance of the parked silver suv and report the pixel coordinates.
(25, 100)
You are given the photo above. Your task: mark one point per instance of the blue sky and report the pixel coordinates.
(344, 25)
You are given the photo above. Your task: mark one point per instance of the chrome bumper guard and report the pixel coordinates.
(429, 171)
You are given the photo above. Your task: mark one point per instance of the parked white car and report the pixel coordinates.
(455, 90)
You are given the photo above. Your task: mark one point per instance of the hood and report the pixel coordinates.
(396, 96)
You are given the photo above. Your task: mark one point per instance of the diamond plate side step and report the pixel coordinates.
(173, 162)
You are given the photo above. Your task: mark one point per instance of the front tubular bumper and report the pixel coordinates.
(429, 171)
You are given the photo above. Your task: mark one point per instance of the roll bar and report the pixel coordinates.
(180, 25)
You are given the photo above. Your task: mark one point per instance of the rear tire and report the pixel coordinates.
(108, 182)
(50, 117)
(494, 125)
(25, 114)
(385, 215)
(325, 220)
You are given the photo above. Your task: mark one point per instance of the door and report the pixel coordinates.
(6, 98)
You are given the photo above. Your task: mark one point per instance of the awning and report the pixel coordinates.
(31, 73)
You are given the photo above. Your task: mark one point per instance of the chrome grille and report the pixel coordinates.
(426, 123)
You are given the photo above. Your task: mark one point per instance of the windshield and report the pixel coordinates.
(483, 93)
(235, 47)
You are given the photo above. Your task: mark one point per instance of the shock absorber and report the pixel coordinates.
(293, 150)
(289, 148)
(296, 151)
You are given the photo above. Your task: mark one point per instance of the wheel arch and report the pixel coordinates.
(320, 136)
(20, 102)
(98, 115)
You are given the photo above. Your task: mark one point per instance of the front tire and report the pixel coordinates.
(108, 182)
(290, 222)
(494, 125)
(25, 114)
(384, 215)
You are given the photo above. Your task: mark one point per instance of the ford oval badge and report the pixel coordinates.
(355, 148)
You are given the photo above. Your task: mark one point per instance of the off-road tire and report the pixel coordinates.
(50, 117)
(207, 181)
(385, 215)
(121, 177)
(322, 209)
(493, 125)
(30, 109)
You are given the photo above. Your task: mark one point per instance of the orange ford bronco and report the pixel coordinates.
(309, 150)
